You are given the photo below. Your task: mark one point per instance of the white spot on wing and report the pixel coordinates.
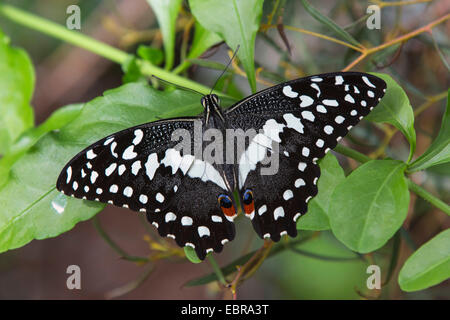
(301, 166)
(278, 213)
(94, 176)
(366, 81)
(288, 195)
(320, 108)
(69, 174)
(306, 101)
(287, 91)
(159, 197)
(320, 143)
(186, 163)
(113, 147)
(129, 153)
(143, 198)
(293, 122)
(272, 129)
(328, 129)
(262, 210)
(339, 119)
(305, 151)
(173, 159)
(186, 221)
(203, 231)
(90, 154)
(349, 98)
(138, 134)
(315, 86)
(121, 169)
(197, 169)
(151, 165)
(108, 141)
(110, 169)
(135, 167)
(128, 192)
(299, 182)
(211, 174)
(308, 115)
(170, 216)
(330, 102)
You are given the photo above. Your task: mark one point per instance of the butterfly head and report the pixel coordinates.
(209, 101)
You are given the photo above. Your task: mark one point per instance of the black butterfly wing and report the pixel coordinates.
(305, 118)
(139, 168)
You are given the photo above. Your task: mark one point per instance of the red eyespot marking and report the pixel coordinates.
(229, 211)
(226, 205)
(249, 203)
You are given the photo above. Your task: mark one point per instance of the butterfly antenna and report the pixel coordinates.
(228, 64)
(176, 85)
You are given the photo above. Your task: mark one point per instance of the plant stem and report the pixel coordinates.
(358, 156)
(217, 270)
(58, 31)
(421, 192)
(368, 51)
(83, 41)
(114, 245)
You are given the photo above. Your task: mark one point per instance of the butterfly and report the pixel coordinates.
(189, 198)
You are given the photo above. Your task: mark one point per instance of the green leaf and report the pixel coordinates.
(191, 255)
(331, 174)
(370, 205)
(166, 12)
(16, 89)
(428, 265)
(31, 206)
(237, 22)
(395, 109)
(153, 55)
(132, 71)
(57, 120)
(203, 40)
(439, 151)
(329, 23)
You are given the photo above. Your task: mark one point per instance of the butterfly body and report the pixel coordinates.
(269, 146)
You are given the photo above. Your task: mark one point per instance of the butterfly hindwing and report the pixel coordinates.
(280, 199)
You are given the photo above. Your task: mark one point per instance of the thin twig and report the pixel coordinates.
(114, 245)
